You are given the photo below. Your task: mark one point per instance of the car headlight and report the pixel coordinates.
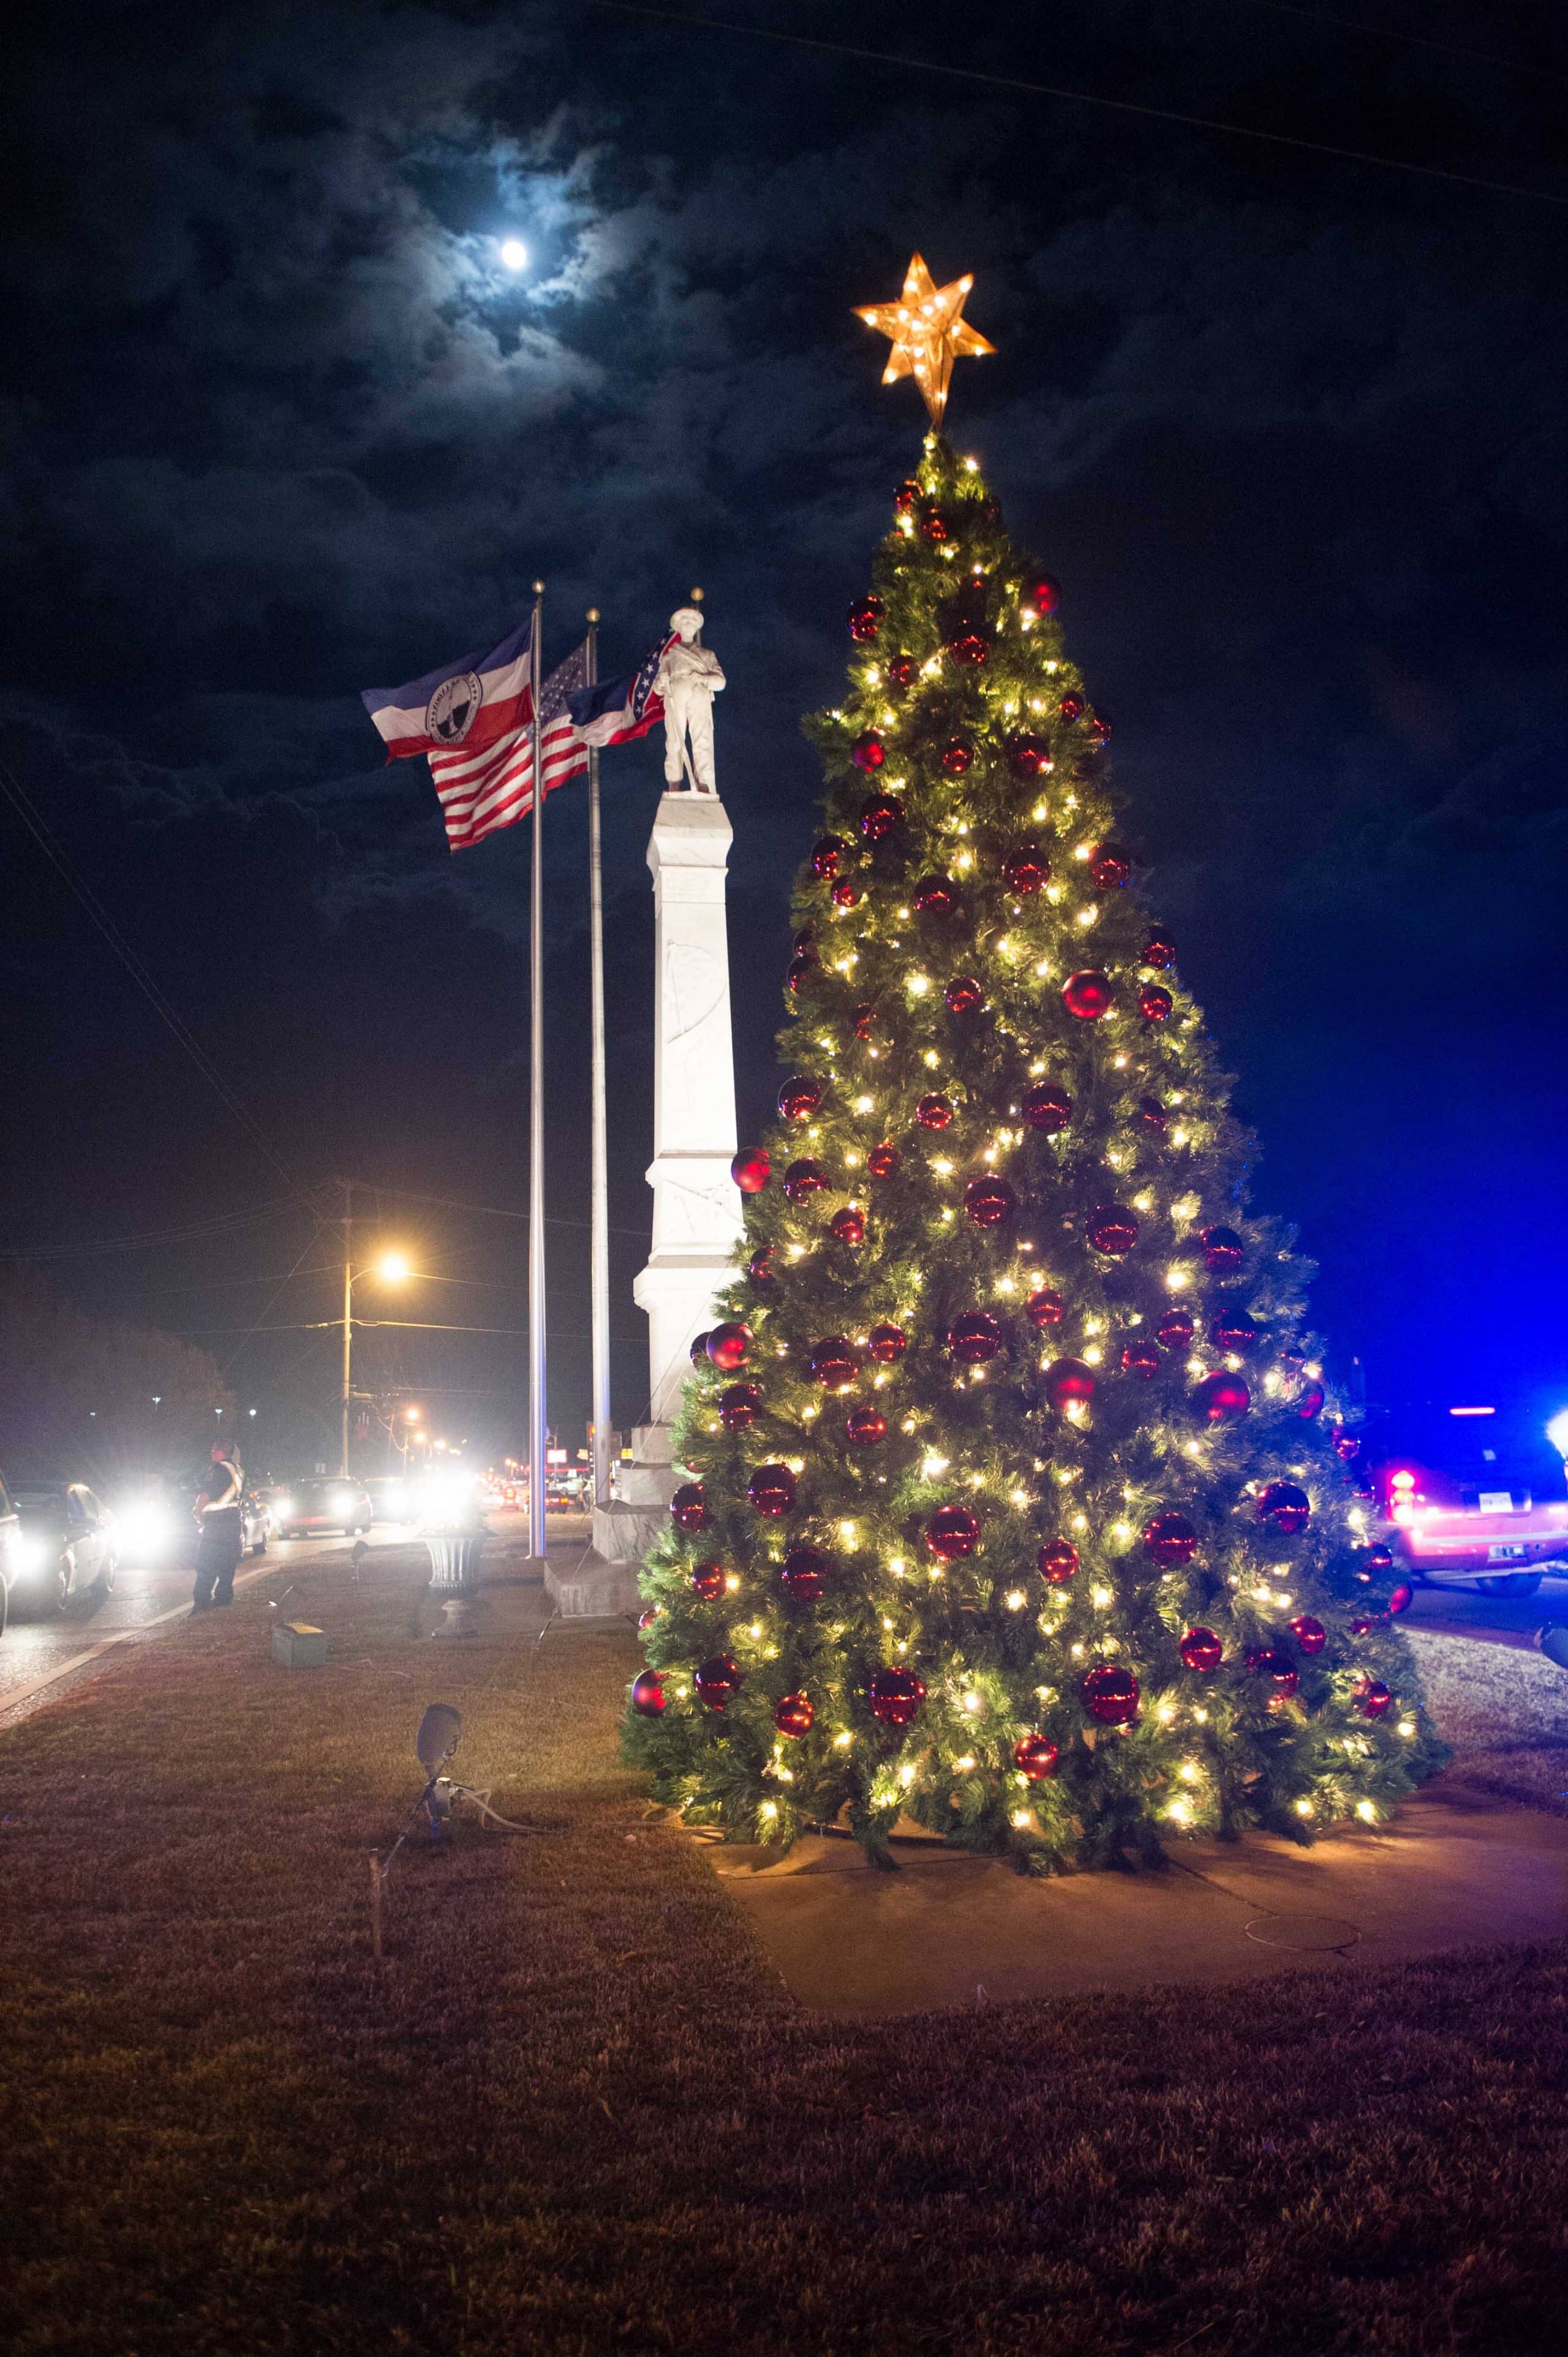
(145, 1526)
(283, 1508)
(343, 1503)
(31, 1553)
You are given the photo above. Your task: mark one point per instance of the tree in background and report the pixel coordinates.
(1020, 1507)
(93, 1400)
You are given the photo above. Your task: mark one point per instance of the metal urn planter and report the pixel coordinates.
(453, 1577)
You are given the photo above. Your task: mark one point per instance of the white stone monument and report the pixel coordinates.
(697, 1221)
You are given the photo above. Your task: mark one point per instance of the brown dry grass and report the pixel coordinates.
(1505, 1712)
(574, 2112)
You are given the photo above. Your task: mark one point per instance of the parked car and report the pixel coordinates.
(68, 1541)
(255, 1522)
(10, 1531)
(304, 1509)
(1470, 1497)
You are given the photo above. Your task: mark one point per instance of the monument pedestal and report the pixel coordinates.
(697, 1223)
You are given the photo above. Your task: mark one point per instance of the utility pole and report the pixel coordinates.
(348, 1187)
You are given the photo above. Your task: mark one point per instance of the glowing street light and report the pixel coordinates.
(391, 1268)
(514, 253)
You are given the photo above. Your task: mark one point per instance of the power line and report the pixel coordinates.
(55, 853)
(153, 1238)
(1077, 98)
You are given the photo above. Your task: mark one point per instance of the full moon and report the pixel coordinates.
(514, 253)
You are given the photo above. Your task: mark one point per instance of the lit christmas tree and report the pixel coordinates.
(1020, 1507)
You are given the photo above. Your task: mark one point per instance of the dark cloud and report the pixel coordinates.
(278, 424)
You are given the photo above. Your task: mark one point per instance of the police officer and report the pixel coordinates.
(220, 1540)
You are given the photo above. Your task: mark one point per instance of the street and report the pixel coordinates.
(1502, 1620)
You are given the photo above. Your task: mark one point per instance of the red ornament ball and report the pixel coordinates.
(883, 1162)
(975, 1338)
(1071, 707)
(708, 1581)
(1155, 1004)
(1286, 1507)
(1100, 727)
(869, 751)
(963, 995)
(688, 1508)
(699, 1350)
(935, 896)
(990, 1202)
(1170, 1540)
(1159, 951)
(799, 973)
(896, 1696)
(646, 1619)
(1309, 1634)
(739, 1406)
(794, 1714)
(1044, 1309)
(957, 758)
(934, 1112)
(1111, 1695)
(648, 1699)
(803, 1180)
(1175, 1331)
(771, 1489)
(1310, 1402)
(1068, 1384)
(1233, 1329)
(728, 1345)
(951, 1533)
(1375, 1700)
(886, 1344)
(1223, 1251)
(751, 1169)
(907, 496)
(865, 619)
(969, 651)
(1151, 1116)
(849, 1226)
(1109, 865)
(1048, 1108)
(866, 1427)
(1140, 1357)
(1363, 1624)
(864, 1019)
(1044, 593)
(901, 671)
(1035, 1756)
(1201, 1651)
(1402, 1599)
(1272, 1662)
(826, 853)
(934, 525)
(1112, 1229)
(1025, 870)
(1380, 1558)
(760, 1268)
(1087, 994)
(880, 817)
(1221, 1399)
(1057, 1562)
(799, 1098)
(834, 1363)
(847, 896)
(1347, 1446)
(718, 1680)
(1027, 757)
(804, 1572)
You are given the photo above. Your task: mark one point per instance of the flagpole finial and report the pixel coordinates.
(592, 614)
(539, 588)
(696, 597)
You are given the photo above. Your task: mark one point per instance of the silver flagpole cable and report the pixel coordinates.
(538, 1409)
(599, 1210)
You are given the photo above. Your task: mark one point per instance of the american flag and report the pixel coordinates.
(492, 785)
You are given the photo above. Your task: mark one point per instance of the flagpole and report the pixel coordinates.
(599, 1214)
(538, 1409)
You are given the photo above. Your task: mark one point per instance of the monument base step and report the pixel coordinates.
(592, 1590)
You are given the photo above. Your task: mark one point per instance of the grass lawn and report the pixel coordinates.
(574, 2112)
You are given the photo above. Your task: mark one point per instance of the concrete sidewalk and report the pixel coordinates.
(1455, 1869)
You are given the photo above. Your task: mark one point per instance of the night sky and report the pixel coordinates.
(278, 426)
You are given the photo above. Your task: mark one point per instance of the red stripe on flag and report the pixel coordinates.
(481, 792)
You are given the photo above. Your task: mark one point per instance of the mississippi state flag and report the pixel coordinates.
(474, 721)
(614, 711)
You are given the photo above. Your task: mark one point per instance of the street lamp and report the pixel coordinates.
(391, 1268)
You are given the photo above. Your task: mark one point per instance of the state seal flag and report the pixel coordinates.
(473, 719)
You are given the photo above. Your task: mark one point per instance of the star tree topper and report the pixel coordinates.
(929, 333)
